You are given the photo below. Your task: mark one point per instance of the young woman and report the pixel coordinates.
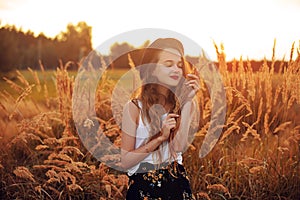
(155, 125)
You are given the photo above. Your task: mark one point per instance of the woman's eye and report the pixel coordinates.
(168, 64)
(180, 64)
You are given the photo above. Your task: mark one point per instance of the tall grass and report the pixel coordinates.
(257, 156)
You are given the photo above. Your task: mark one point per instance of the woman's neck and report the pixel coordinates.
(163, 91)
(163, 97)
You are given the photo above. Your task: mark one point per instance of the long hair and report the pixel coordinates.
(149, 96)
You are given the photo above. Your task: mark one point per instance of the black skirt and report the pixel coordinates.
(159, 182)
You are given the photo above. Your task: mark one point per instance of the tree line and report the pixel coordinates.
(20, 50)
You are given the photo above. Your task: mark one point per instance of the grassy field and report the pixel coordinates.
(39, 78)
(257, 156)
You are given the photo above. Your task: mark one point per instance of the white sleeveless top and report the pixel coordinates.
(142, 135)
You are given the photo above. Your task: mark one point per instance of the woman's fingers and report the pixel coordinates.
(194, 84)
(192, 76)
(170, 121)
(171, 115)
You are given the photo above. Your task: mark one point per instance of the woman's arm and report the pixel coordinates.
(129, 155)
(180, 141)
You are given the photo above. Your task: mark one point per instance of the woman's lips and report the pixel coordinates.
(174, 77)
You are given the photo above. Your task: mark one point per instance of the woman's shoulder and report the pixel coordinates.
(136, 102)
(133, 106)
(131, 110)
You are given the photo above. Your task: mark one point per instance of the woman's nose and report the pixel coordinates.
(176, 68)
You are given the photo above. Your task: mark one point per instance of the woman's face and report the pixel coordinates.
(169, 67)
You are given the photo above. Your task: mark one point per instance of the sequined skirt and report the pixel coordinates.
(159, 182)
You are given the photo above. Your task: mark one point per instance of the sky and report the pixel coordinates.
(247, 28)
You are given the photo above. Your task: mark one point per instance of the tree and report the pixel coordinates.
(75, 43)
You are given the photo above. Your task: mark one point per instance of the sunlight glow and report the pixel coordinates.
(246, 28)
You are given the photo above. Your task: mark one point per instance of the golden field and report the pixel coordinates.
(256, 157)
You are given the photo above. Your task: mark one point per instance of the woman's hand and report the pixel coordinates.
(193, 82)
(167, 125)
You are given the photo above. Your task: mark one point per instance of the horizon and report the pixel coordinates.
(138, 45)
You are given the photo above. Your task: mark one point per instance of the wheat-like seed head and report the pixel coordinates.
(24, 172)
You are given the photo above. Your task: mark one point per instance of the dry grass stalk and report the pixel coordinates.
(202, 196)
(24, 172)
(13, 85)
(22, 79)
(36, 79)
